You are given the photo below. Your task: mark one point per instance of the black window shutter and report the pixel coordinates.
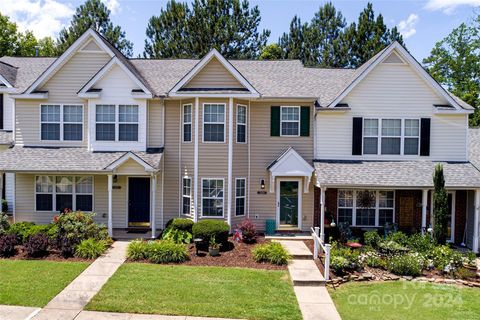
(1, 112)
(275, 121)
(357, 136)
(305, 121)
(425, 137)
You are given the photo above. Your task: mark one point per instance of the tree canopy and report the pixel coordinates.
(94, 14)
(230, 26)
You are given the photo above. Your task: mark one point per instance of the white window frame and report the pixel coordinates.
(370, 136)
(189, 196)
(297, 121)
(61, 123)
(117, 122)
(377, 206)
(223, 200)
(224, 121)
(186, 123)
(402, 136)
(241, 124)
(54, 192)
(244, 197)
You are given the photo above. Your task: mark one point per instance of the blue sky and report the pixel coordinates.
(422, 22)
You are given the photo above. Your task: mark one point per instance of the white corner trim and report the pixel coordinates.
(60, 60)
(195, 163)
(230, 161)
(5, 82)
(203, 62)
(403, 54)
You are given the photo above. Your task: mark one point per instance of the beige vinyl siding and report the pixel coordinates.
(27, 125)
(240, 161)
(265, 149)
(155, 123)
(131, 167)
(186, 154)
(392, 91)
(213, 75)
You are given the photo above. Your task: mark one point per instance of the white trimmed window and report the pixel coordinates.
(240, 196)
(61, 122)
(187, 123)
(186, 195)
(370, 136)
(241, 123)
(366, 208)
(214, 122)
(128, 122)
(212, 197)
(290, 121)
(411, 136)
(391, 136)
(105, 122)
(116, 122)
(57, 193)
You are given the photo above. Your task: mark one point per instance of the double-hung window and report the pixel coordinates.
(187, 123)
(240, 184)
(214, 122)
(290, 121)
(116, 122)
(128, 122)
(57, 193)
(61, 122)
(411, 136)
(370, 136)
(391, 136)
(369, 208)
(241, 123)
(212, 197)
(186, 195)
(105, 122)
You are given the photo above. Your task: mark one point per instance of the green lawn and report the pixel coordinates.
(406, 300)
(34, 283)
(198, 291)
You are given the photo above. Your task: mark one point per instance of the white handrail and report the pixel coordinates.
(319, 245)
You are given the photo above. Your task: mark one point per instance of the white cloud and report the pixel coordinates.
(407, 27)
(449, 6)
(113, 5)
(42, 17)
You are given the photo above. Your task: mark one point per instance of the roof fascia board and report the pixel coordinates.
(296, 155)
(50, 71)
(89, 95)
(411, 61)
(202, 63)
(7, 90)
(216, 95)
(102, 72)
(5, 82)
(127, 156)
(41, 96)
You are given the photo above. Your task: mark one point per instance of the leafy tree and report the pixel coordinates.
(94, 14)
(230, 26)
(271, 52)
(47, 47)
(368, 36)
(8, 36)
(455, 63)
(440, 206)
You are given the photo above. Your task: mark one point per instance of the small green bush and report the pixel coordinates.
(421, 243)
(444, 256)
(137, 250)
(373, 260)
(371, 238)
(165, 251)
(182, 224)
(405, 265)
(339, 265)
(91, 248)
(398, 237)
(177, 235)
(21, 230)
(392, 248)
(206, 229)
(272, 252)
(352, 256)
(4, 225)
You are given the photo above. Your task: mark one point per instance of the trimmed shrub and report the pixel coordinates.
(4, 225)
(37, 245)
(405, 265)
(137, 250)
(182, 224)
(339, 265)
(206, 229)
(443, 256)
(7, 245)
(177, 235)
(21, 230)
(165, 251)
(4, 206)
(352, 256)
(91, 248)
(249, 232)
(372, 238)
(272, 252)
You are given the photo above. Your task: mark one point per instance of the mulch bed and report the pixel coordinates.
(53, 255)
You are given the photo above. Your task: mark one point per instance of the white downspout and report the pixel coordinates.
(230, 160)
(195, 165)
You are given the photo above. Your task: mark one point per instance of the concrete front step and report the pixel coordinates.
(297, 249)
(305, 273)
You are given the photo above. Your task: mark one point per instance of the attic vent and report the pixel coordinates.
(394, 58)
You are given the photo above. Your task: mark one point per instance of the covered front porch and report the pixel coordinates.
(389, 196)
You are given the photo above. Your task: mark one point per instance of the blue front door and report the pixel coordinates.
(138, 202)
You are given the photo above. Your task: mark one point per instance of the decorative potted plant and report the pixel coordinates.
(214, 247)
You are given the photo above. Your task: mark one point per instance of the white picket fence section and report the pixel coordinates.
(318, 248)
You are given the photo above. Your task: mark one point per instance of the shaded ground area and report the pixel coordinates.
(198, 291)
(34, 283)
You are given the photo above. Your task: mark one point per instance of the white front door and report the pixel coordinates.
(289, 203)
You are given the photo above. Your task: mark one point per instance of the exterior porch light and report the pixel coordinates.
(262, 184)
(115, 178)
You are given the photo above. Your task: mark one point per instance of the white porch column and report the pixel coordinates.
(476, 219)
(153, 208)
(1, 185)
(110, 220)
(230, 161)
(322, 214)
(424, 210)
(195, 164)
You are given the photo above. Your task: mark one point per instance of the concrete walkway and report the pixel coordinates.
(70, 302)
(309, 284)
(17, 312)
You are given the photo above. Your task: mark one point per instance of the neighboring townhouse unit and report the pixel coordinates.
(141, 141)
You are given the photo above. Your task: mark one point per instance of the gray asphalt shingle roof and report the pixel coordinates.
(28, 69)
(6, 137)
(8, 72)
(474, 146)
(37, 159)
(415, 174)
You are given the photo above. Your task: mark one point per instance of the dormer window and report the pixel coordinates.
(116, 122)
(61, 122)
